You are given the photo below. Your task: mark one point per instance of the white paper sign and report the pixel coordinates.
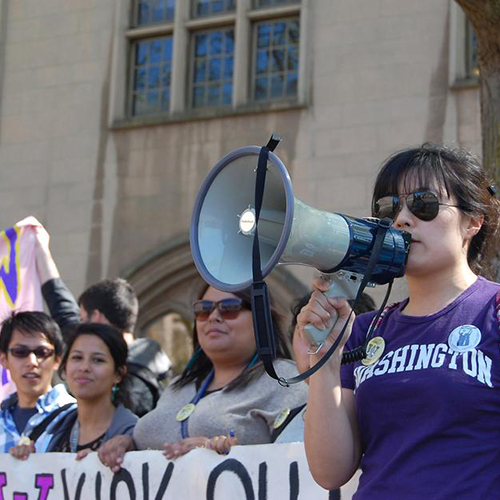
(264, 472)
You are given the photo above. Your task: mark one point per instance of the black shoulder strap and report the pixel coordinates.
(40, 428)
(293, 413)
(146, 376)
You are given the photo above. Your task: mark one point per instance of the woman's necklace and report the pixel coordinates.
(186, 411)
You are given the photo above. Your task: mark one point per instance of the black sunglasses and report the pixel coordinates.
(40, 352)
(228, 308)
(422, 204)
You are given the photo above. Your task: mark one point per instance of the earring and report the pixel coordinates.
(193, 359)
(114, 392)
(253, 361)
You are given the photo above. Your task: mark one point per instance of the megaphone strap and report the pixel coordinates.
(260, 182)
(259, 195)
(261, 310)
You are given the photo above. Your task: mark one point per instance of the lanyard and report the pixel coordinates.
(189, 408)
(73, 438)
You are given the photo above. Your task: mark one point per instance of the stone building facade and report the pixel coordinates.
(114, 111)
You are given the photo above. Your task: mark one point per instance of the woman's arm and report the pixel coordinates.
(60, 301)
(331, 432)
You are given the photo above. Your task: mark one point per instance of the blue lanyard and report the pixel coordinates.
(201, 392)
(73, 438)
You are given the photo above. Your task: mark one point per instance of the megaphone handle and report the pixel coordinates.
(344, 285)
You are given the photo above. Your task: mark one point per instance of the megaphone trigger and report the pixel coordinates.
(343, 284)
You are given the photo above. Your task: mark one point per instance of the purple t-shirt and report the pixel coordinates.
(429, 408)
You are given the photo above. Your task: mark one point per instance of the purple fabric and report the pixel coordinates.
(429, 415)
(10, 277)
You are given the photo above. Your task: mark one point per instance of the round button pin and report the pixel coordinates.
(185, 412)
(280, 419)
(374, 350)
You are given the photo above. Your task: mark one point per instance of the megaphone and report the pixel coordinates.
(290, 231)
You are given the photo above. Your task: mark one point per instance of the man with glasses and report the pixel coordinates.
(30, 348)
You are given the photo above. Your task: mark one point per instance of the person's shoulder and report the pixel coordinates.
(56, 397)
(486, 286)
(123, 414)
(123, 422)
(60, 420)
(173, 391)
(173, 387)
(365, 318)
(149, 353)
(285, 367)
(9, 401)
(481, 292)
(275, 397)
(360, 326)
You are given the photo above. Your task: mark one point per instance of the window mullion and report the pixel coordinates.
(246, 56)
(180, 57)
(303, 60)
(241, 53)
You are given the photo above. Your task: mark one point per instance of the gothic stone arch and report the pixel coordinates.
(166, 281)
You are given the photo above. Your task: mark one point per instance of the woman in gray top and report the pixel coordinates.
(224, 396)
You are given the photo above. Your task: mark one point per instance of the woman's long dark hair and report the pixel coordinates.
(456, 172)
(200, 365)
(118, 349)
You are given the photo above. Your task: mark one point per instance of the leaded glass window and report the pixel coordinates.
(213, 62)
(151, 75)
(472, 65)
(202, 8)
(172, 78)
(276, 59)
(272, 3)
(150, 12)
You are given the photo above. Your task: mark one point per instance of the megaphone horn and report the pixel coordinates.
(290, 231)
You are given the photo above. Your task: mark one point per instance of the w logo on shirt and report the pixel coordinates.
(9, 265)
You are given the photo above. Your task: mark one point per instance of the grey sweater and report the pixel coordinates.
(123, 422)
(250, 411)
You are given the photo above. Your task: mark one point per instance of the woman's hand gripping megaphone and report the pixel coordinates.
(321, 320)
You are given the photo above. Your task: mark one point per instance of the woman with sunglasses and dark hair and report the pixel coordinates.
(223, 397)
(94, 368)
(421, 416)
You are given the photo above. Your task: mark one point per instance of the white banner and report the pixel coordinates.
(264, 472)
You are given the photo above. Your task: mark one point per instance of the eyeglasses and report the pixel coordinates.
(422, 204)
(40, 352)
(228, 308)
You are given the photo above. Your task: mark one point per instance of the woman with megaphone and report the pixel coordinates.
(420, 414)
(223, 397)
